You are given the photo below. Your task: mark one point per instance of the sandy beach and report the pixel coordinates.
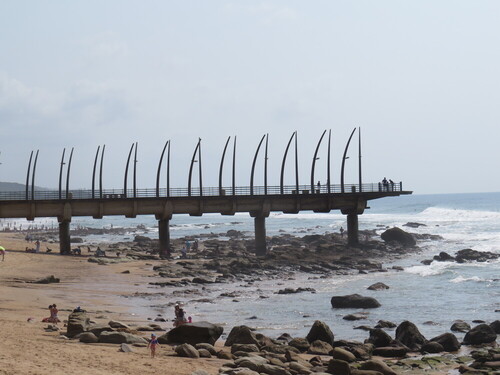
(26, 348)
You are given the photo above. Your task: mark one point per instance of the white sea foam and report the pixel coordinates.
(461, 279)
(435, 268)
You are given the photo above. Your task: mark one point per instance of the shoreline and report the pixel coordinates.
(79, 279)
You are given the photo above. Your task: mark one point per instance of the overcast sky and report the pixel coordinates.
(421, 79)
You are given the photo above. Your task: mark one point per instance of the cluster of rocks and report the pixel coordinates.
(80, 327)
(254, 354)
(464, 256)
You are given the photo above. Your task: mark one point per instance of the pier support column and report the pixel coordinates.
(260, 235)
(164, 237)
(64, 238)
(352, 229)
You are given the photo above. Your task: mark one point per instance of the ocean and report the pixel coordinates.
(431, 296)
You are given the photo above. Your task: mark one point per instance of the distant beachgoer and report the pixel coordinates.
(392, 184)
(2, 252)
(180, 316)
(341, 231)
(188, 245)
(37, 246)
(319, 186)
(184, 252)
(153, 344)
(195, 245)
(190, 320)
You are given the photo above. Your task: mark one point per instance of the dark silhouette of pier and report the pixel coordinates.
(258, 201)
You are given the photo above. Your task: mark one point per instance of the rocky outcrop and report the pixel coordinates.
(469, 255)
(77, 323)
(320, 331)
(354, 301)
(448, 341)
(120, 338)
(378, 286)
(193, 333)
(408, 334)
(398, 235)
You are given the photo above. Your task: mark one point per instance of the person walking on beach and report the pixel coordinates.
(2, 252)
(153, 344)
(37, 246)
(341, 231)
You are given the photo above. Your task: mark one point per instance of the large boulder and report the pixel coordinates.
(252, 363)
(192, 333)
(320, 331)
(379, 338)
(481, 334)
(186, 350)
(354, 301)
(448, 340)
(390, 351)
(408, 334)
(398, 235)
(241, 335)
(495, 326)
(78, 322)
(120, 338)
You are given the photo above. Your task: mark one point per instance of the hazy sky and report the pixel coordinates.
(421, 79)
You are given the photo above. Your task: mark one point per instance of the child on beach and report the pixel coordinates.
(153, 344)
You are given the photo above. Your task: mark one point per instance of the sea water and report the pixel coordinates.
(431, 296)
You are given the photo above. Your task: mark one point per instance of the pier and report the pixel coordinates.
(163, 203)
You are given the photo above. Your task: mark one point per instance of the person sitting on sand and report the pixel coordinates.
(153, 344)
(53, 314)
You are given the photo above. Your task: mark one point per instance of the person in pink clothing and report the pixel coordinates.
(153, 344)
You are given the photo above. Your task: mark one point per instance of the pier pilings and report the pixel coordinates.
(164, 237)
(64, 237)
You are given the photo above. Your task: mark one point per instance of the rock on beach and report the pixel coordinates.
(354, 301)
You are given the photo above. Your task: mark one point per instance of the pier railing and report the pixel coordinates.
(196, 192)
